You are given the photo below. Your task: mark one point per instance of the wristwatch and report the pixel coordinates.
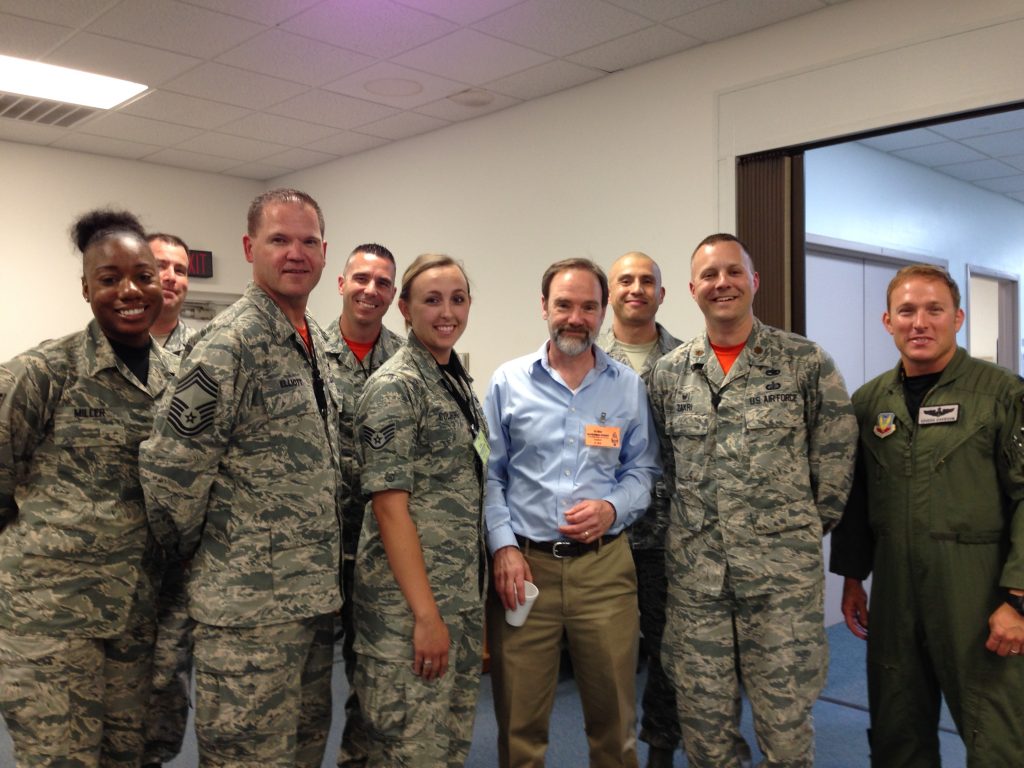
(1016, 601)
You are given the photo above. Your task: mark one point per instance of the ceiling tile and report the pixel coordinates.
(461, 11)
(380, 28)
(257, 171)
(1004, 185)
(29, 133)
(269, 12)
(981, 126)
(116, 125)
(28, 39)
(446, 109)
(117, 58)
(734, 17)
(347, 143)
(636, 48)
(296, 159)
(403, 125)
(282, 54)
(889, 142)
(283, 130)
(561, 27)
(70, 14)
(1017, 161)
(1016, 196)
(547, 78)
(978, 169)
(195, 161)
(946, 153)
(332, 109)
(236, 147)
(661, 10)
(471, 57)
(430, 87)
(184, 110)
(101, 145)
(998, 144)
(174, 27)
(234, 86)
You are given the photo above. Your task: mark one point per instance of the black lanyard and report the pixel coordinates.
(456, 383)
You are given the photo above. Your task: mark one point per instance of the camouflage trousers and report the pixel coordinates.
(354, 740)
(659, 724)
(263, 694)
(782, 652)
(167, 714)
(414, 723)
(74, 702)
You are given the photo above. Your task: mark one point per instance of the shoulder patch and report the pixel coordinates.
(378, 438)
(194, 403)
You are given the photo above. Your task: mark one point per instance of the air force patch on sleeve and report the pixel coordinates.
(378, 438)
(194, 403)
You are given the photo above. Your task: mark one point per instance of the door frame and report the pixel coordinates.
(1009, 314)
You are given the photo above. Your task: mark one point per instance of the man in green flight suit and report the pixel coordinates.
(937, 514)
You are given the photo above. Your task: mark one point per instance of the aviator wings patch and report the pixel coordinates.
(194, 403)
(378, 438)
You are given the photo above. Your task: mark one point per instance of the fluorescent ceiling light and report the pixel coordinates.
(45, 81)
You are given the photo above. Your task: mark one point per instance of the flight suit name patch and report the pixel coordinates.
(938, 414)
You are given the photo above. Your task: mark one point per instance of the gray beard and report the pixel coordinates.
(571, 346)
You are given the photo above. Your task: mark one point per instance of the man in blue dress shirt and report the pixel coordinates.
(573, 459)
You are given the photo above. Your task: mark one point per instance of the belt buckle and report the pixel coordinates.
(555, 549)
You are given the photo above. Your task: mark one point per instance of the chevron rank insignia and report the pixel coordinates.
(378, 438)
(885, 425)
(194, 403)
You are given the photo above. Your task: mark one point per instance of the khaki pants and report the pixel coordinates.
(591, 600)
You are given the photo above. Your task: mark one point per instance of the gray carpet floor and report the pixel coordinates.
(840, 718)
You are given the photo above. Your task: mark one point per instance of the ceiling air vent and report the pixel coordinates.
(42, 111)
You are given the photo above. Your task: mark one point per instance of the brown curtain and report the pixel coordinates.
(770, 220)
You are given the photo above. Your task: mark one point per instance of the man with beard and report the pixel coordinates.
(573, 459)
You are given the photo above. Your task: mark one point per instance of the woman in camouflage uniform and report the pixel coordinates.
(420, 566)
(77, 561)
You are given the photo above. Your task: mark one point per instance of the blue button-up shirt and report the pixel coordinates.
(541, 465)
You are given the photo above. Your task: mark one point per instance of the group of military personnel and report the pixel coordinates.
(175, 503)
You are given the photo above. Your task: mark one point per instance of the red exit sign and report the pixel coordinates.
(200, 263)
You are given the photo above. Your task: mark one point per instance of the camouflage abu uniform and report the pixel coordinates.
(167, 713)
(415, 438)
(241, 475)
(659, 725)
(352, 374)
(78, 566)
(179, 338)
(754, 483)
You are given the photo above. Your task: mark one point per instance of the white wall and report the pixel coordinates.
(859, 194)
(645, 159)
(43, 190)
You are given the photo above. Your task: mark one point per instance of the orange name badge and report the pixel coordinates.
(601, 437)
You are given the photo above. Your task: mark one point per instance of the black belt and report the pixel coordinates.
(566, 547)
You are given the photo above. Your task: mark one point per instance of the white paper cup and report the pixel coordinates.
(517, 616)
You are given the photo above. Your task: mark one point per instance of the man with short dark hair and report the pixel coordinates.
(167, 713)
(636, 339)
(937, 515)
(241, 475)
(360, 344)
(171, 255)
(758, 440)
(573, 458)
